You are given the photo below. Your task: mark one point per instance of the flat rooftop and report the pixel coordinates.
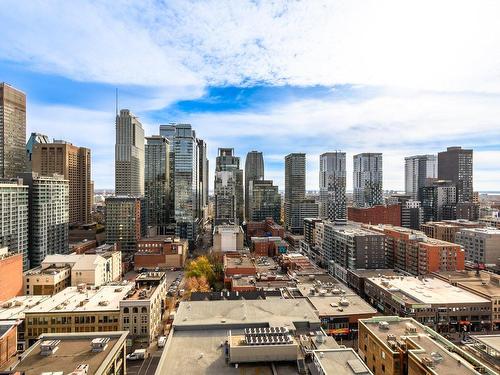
(366, 273)
(425, 344)
(74, 349)
(238, 262)
(273, 312)
(486, 288)
(15, 308)
(71, 299)
(341, 306)
(50, 270)
(324, 284)
(341, 362)
(426, 291)
(492, 341)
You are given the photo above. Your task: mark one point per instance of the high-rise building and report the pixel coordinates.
(125, 222)
(264, 201)
(157, 182)
(48, 216)
(332, 185)
(74, 164)
(203, 173)
(438, 201)
(35, 138)
(129, 155)
(418, 169)
(254, 170)
(14, 217)
(297, 207)
(12, 131)
(228, 188)
(368, 180)
(455, 164)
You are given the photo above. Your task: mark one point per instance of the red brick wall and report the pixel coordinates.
(11, 277)
(376, 215)
(8, 346)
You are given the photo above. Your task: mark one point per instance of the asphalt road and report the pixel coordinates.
(144, 367)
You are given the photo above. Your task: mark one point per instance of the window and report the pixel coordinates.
(144, 310)
(126, 320)
(135, 310)
(126, 310)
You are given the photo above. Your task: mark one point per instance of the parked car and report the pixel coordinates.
(137, 355)
(162, 340)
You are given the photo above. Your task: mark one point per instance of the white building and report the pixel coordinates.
(418, 169)
(481, 245)
(228, 238)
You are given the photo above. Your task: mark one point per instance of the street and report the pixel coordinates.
(146, 366)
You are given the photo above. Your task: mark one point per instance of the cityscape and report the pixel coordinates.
(234, 255)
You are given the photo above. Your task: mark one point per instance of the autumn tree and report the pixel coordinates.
(201, 267)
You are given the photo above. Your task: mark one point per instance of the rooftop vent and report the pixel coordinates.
(99, 344)
(49, 347)
(410, 328)
(383, 325)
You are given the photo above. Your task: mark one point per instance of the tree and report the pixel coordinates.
(197, 284)
(201, 267)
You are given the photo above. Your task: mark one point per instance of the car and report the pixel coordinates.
(137, 355)
(162, 340)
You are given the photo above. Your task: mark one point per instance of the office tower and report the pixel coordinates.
(48, 216)
(157, 182)
(129, 155)
(412, 213)
(74, 164)
(35, 138)
(368, 180)
(297, 207)
(438, 201)
(125, 222)
(228, 188)
(168, 132)
(12, 131)
(14, 217)
(203, 174)
(332, 182)
(418, 169)
(254, 170)
(455, 164)
(264, 201)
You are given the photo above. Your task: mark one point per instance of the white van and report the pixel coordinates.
(162, 340)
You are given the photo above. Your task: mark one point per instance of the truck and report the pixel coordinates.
(137, 354)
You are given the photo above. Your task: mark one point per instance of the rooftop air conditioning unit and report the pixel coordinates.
(49, 347)
(99, 344)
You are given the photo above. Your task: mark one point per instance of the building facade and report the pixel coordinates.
(48, 216)
(367, 176)
(418, 169)
(129, 155)
(35, 138)
(12, 131)
(14, 217)
(263, 201)
(439, 201)
(332, 186)
(482, 245)
(254, 170)
(455, 164)
(11, 266)
(160, 252)
(157, 182)
(74, 163)
(376, 214)
(228, 188)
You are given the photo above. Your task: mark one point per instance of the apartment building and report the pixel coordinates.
(78, 309)
(46, 281)
(447, 229)
(141, 309)
(397, 346)
(228, 238)
(161, 252)
(482, 245)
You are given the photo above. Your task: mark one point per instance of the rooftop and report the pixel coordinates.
(423, 344)
(341, 306)
(341, 362)
(238, 262)
(74, 349)
(15, 308)
(366, 273)
(428, 291)
(81, 299)
(491, 341)
(52, 269)
(487, 230)
(269, 312)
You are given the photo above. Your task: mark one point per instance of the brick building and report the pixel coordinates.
(268, 246)
(8, 341)
(445, 230)
(161, 251)
(265, 228)
(11, 274)
(376, 214)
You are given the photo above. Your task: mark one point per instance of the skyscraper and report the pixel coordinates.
(455, 164)
(48, 216)
(332, 185)
(129, 155)
(14, 217)
(439, 200)
(203, 179)
(254, 170)
(418, 170)
(367, 184)
(264, 200)
(157, 182)
(297, 207)
(34, 139)
(12, 131)
(74, 164)
(228, 188)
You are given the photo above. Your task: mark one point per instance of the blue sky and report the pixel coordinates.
(398, 77)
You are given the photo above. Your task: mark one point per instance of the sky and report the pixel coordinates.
(398, 77)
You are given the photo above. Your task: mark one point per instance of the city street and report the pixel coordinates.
(144, 367)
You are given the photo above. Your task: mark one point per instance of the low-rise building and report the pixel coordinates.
(8, 341)
(395, 345)
(447, 229)
(294, 241)
(430, 301)
(482, 245)
(493, 222)
(228, 238)
(78, 309)
(376, 215)
(91, 353)
(141, 309)
(268, 246)
(82, 246)
(264, 228)
(355, 279)
(237, 266)
(47, 281)
(488, 346)
(297, 264)
(161, 252)
(343, 361)
(11, 274)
